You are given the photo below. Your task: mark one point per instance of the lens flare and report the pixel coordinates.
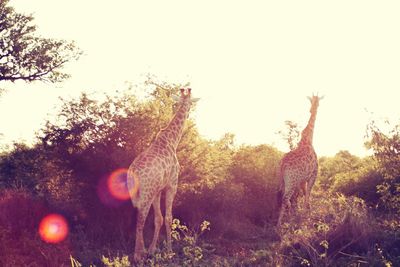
(117, 185)
(53, 228)
(113, 191)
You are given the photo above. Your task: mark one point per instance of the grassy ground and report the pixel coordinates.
(338, 231)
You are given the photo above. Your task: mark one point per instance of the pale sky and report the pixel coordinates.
(252, 63)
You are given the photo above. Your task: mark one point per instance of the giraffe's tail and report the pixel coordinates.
(279, 198)
(133, 187)
(281, 188)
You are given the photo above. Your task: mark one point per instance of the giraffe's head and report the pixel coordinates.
(307, 133)
(185, 98)
(314, 99)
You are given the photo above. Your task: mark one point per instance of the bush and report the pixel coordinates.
(338, 229)
(20, 244)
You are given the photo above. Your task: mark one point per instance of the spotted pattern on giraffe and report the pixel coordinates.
(299, 166)
(157, 169)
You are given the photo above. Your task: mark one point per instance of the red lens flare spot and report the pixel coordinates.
(53, 228)
(117, 185)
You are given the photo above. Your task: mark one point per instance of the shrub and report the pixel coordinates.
(337, 229)
(20, 244)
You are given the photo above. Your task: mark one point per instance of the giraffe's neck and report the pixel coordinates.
(172, 134)
(307, 134)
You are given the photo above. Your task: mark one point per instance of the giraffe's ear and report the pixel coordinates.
(309, 98)
(176, 98)
(321, 97)
(194, 100)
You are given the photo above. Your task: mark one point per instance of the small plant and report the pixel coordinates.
(258, 257)
(74, 262)
(189, 251)
(116, 262)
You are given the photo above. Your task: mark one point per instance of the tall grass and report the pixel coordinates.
(336, 231)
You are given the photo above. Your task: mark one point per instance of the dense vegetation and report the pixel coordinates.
(226, 204)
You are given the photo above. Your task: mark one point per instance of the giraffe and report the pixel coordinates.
(299, 167)
(156, 170)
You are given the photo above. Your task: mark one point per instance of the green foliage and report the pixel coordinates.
(386, 148)
(204, 170)
(255, 169)
(350, 175)
(24, 56)
(331, 169)
(242, 199)
(204, 163)
(20, 168)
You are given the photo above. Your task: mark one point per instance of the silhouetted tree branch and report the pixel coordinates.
(24, 56)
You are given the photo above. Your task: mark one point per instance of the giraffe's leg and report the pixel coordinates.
(308, 188)
(158, 221)
(169, 199)
(287, 195)
(285, 207)
(289, 206)
(307, 198)
(303, 189)
(294, 201)
(139, 243)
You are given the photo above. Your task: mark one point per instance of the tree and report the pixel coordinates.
(333, 168)
(350, 175)
(386, 148)
(19, 168)
(291, 134)
(256, 167)
(24, 56)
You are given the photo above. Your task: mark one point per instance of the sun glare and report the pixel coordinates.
(53, 228)
(117, 185)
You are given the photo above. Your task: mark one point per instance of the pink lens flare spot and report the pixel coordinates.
(117, 184)
(53, 228)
